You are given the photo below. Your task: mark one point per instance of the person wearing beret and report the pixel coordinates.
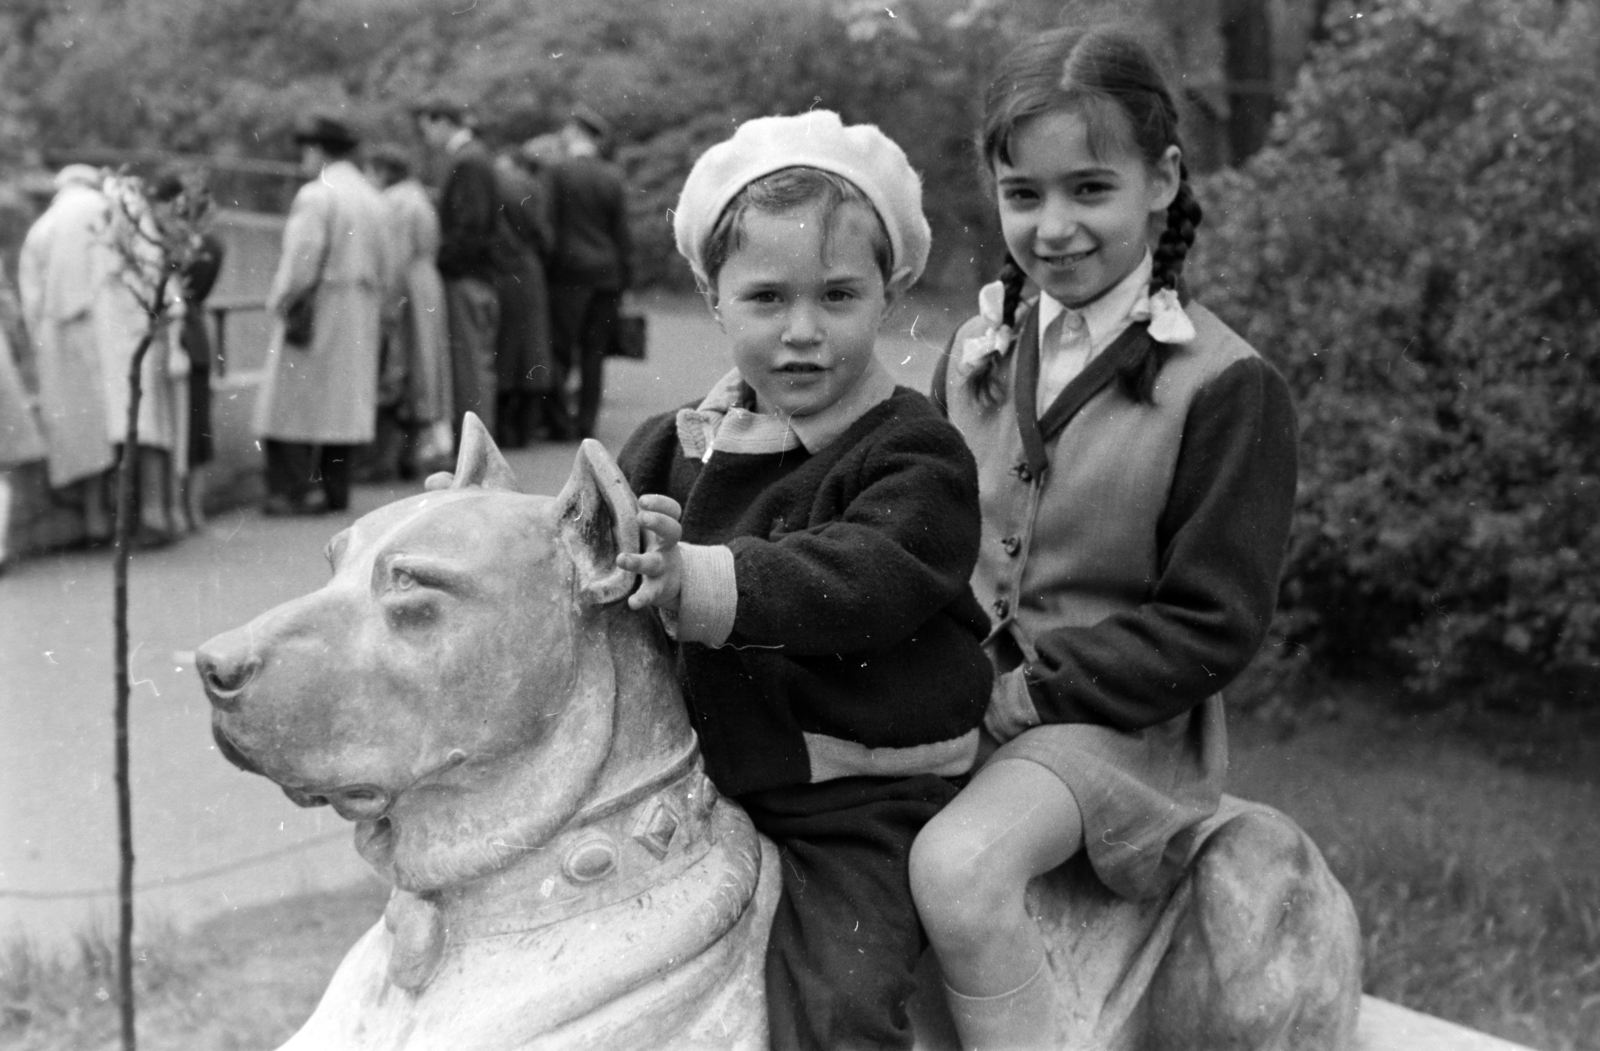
(319, 397)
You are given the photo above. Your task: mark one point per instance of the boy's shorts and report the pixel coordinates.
(846, 938)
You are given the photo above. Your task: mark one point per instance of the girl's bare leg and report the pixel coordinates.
(970, 869)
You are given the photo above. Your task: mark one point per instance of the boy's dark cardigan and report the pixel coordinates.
(855, 618)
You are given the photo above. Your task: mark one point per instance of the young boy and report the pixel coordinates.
(811, 530)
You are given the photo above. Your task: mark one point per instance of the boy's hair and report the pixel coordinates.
(783, 191)
(1109, 79)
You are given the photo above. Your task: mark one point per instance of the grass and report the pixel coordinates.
(1470, 849)
(243, 981)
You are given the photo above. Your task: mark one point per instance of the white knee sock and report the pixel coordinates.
(1021, 1020)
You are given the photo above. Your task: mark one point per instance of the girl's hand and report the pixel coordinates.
(661, 564)
(1011, 708)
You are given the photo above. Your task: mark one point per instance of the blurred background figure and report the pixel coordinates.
(523, 363)
(319, 394)
(85, 321)
(196, 279)
(476, 247)
(589, 270)
(134, 261)
(20, 438)
(57, 277)
(413, 427)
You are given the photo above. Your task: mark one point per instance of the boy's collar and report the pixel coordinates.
(814, 432)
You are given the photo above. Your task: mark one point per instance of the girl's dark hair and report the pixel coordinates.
(783, 191)
(1111, 80)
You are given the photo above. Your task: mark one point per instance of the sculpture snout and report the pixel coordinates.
(226, 669)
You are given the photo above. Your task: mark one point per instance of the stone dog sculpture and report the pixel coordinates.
(472, 691)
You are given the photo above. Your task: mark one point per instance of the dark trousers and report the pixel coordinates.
(846, 938)
(474, 319)
(294, 469)
(583, 323)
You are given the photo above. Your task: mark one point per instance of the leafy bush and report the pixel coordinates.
(1419, 250)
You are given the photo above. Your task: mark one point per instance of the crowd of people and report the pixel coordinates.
(88, 274)
(403, 306)
(400, 302)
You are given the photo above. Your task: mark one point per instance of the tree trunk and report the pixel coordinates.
(126, 472)
(1247, 65)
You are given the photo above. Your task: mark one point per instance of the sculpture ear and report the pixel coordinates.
(599, 519)
(479, 462)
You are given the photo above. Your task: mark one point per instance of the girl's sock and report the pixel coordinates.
(1020, 1020)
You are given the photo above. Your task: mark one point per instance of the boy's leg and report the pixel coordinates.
(845, 939)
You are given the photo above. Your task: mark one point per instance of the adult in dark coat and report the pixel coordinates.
(523, 350)
(475, 248)
(590, 269)
(198, 277)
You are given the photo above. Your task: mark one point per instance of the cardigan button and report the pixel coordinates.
(1013, 545)
(1002, 608)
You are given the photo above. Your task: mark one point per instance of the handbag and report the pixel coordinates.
(298, 319)
(629, 338)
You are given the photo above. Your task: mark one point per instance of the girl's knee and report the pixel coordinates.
(956, 881)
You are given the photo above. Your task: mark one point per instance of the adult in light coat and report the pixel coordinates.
(318, 399)
(57, 279)
(84, 323)
(417, 354)
(20, 438)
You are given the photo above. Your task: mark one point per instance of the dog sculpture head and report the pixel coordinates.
(461, 685)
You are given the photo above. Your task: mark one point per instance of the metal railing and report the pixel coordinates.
(220, 308)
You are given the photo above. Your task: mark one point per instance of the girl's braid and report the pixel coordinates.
(1183, 216)
(985, 381)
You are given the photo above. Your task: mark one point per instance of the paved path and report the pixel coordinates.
(207, 837)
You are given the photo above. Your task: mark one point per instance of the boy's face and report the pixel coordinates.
(802, 305)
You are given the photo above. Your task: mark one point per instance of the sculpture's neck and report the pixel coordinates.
(614, 849)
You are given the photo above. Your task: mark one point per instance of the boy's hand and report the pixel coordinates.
(661, 564)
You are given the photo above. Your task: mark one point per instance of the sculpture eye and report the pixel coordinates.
(403, 581)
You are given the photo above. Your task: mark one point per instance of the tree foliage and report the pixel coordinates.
(1419, 250)
(230, 77)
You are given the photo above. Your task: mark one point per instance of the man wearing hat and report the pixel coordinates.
(319, 397)
(590, 269)
(475, 248)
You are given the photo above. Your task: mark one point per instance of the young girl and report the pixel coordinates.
(1136, 465)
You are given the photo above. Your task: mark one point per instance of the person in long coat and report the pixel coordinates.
(196, 277)
(85, 322)
(417, 342)
(20, 438)
(57, 279)
(319, 396)
(476, 246)
(523, 361)
(591, 267)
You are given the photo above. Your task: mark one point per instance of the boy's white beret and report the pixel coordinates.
(814, 139)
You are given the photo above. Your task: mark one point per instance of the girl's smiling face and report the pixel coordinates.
(1078, 220)
(801, 299)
